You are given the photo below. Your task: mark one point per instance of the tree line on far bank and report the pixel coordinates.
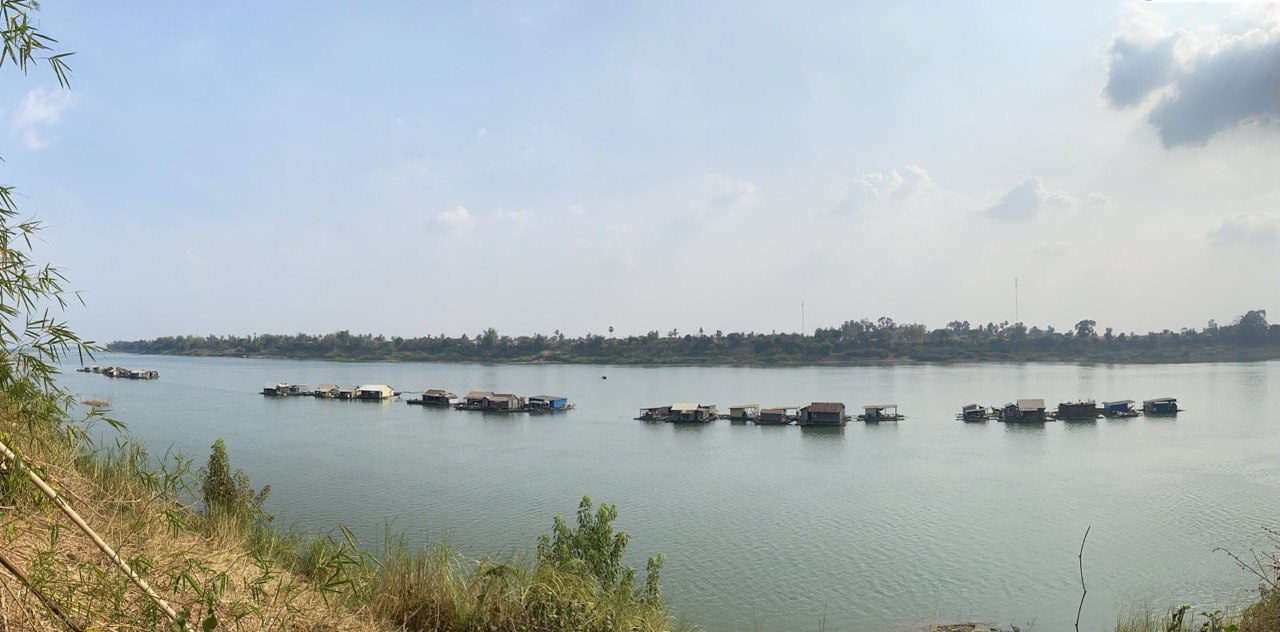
(1249, 337)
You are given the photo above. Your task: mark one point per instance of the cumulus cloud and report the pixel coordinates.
(1206, 85)
(40, 109)
(1247, 229)
(720, 193)
(518, 217)
(458, 219)
(868, 188)
(1028, 199)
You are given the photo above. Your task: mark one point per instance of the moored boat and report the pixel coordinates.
(1024, 411)
(1160, 406)
(778, 416)
(435, 397)
(975, 412)
(744, 412)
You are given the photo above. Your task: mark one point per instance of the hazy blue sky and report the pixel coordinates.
(425, 168)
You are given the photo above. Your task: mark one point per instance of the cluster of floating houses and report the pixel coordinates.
(1034, 410)
(119, 371)
(815, 414)
(486, 401)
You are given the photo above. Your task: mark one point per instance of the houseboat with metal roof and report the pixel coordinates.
(1082, 410)
(688, 413)
(1120, 408)
(654, 413)
(778, 416)
(744, 412)
(1024, 411)
(547, 404)
(435, 397)
(823, 414)
(1160, 406)
(875, 413)
(975, 412)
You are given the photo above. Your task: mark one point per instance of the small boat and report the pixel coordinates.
(1077, 411)
(876, 413)
(778, 416)
(1119, 409)
(744, 412)
(1160, 406)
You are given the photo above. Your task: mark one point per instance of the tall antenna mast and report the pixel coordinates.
(1015, 299)
(801, 318)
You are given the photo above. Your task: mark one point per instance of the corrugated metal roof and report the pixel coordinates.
(479, 394)
(436, 392)
(684, 407)
(826, 407)
(1030, 404)
(740, 406)
(1159, 399)
(326, 387)
(548, 398)
(879, 406)
(1118, 401)
(503, 397)
(773, 411)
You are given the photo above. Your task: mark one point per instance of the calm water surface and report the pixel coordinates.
(775, 528)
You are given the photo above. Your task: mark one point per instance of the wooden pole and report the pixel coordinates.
(97, 540)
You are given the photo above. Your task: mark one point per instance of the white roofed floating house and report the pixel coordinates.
(874, 413)
(374, 392)
(744, 412)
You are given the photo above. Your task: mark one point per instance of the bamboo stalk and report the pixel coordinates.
(97, 540)
(48, 603)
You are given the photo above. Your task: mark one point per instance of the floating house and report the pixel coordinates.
(1075, 411)
(1024, 410)
(474, 400)
(435, 397)
(778, 416)
(975, 412)
(142, 375)
(325, 391)
(1121, 408)
(823, 414)
(1160, 406)
(285, 390)
(504, 402)
(875, 413)
(744, 412)
(374, 392)
(656, 413)
(692, 413)
(548, 403)
(346, 393)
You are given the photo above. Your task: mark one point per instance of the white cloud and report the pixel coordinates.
(481, 132)
(1207, 84)
(518, 217)
(1097, 199)
(868, 188)
(577, 211)
(1028, 199)
(618, 230)
(458, 219)
(1247, 229)
(719, 193)
(40, 108)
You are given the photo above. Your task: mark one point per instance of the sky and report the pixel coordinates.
(439, 168)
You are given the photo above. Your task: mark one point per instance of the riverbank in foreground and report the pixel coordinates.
(221, 564)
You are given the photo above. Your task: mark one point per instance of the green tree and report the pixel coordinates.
(228, 493)
(594, 549)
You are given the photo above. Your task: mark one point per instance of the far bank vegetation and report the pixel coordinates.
(1248, 337)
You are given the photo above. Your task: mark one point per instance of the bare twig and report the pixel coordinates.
(1249, 567)
(1083, 590)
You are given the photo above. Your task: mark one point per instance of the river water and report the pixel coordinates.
(870, 527)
